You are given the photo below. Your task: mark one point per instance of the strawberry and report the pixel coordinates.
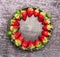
(46, 33)
(14, 22)
(46, 22)
(25, 45)
(36, 12)
(31, 45)
(14, 27)
(47, 27)
(18, 16)
(19, 40)
(15, 35)
(38, 44)
(40, 17)
(43, 39)
(30, 11)
(24, 14)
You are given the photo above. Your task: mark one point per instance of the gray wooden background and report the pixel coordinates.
(8, 7)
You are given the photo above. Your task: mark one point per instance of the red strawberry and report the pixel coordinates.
(47, 27)
(14, 22)
(16, 35)
(30, 11)
(38, 44)
(25, 45)
(46, 33)
(46, 22)
(21, 38)
(40, 17)
(14, 27)
(43, 39)
(31, 45)
(19, 41)
(24, 14)
(36, 12)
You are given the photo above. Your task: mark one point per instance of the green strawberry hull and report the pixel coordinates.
(17, 43)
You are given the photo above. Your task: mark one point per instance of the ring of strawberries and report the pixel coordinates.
(18, 39)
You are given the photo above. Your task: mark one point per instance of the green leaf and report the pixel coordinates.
(20, 15)
(9, 33)
(11, 21)
(15, 30)
(39, 46)
(48, 15)
(31, 48)
(43, 13)
(46, 18)
(16, 15)
(17, 43)
(18, 11)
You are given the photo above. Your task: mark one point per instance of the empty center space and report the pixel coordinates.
(30, 28)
